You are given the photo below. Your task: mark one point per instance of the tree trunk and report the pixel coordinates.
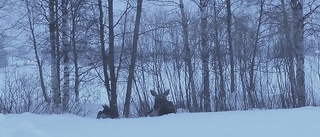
(221, 96)
(289, 55)
(297, 10)
(54, 56)
(205, 55)
(188, 57)
(57, 37)
(229, 23)
(75, 53)
(126, 110)
(103, 50)
(66, 60)
(35, 48)
(113, 78)
(251, 90)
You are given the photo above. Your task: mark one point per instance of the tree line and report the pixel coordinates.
(213, 55)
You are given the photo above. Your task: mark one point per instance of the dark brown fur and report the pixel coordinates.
(106, 113)
(161, 105)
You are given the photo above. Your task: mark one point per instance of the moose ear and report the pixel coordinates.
(153, 93)
(166, 92)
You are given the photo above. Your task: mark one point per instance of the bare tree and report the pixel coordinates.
(220, 96)
(66, 60)
(31, 21)
(126, 109)
(103, 49)
(108, 61)
(188, 57)
(55, 81)
(298, 20)
(113, 78)
(82, 30)
(3, 54)
(205, 55)
(75, 12)
(290, 53)
(252, 89)
(229, 24)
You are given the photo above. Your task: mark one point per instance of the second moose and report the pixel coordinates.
(161, 105)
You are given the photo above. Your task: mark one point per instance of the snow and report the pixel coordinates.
(253, 123)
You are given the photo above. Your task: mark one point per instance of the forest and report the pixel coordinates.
(58, 56)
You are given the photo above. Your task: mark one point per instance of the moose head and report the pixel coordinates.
(161, 105)
(107, 112)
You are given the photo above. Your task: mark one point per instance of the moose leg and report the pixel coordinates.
(148, 114)
(103, 115)
(99, 115)
(153, 113)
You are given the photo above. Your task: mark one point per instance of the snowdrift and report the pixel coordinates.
(301, 122)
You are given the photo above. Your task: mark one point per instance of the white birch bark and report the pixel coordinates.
(66, 60)
(54, 64)
(297, 11)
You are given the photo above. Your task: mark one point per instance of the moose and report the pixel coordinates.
(107, 112)
(161, 105)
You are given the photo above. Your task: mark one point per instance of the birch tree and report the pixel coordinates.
(75, 13)
(229, 23)
(54, 56)
(290, 54)
(298, 20)
(66, 60)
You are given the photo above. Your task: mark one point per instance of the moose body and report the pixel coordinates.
(106, 113)
(161, 105)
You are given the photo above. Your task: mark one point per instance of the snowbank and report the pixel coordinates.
(301, 122)
(21, 129)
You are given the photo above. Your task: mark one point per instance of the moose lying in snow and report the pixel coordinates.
(107, 112)
(161, 105)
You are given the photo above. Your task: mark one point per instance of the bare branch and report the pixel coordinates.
(310, 12)
(128, 7)
(164, 2)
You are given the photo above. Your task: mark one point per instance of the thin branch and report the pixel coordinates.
(128, 7)
(310, 12)
(164, 2)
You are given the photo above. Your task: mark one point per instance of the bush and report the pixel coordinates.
(20, 94)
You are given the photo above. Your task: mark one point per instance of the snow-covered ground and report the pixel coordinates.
(301, 122)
